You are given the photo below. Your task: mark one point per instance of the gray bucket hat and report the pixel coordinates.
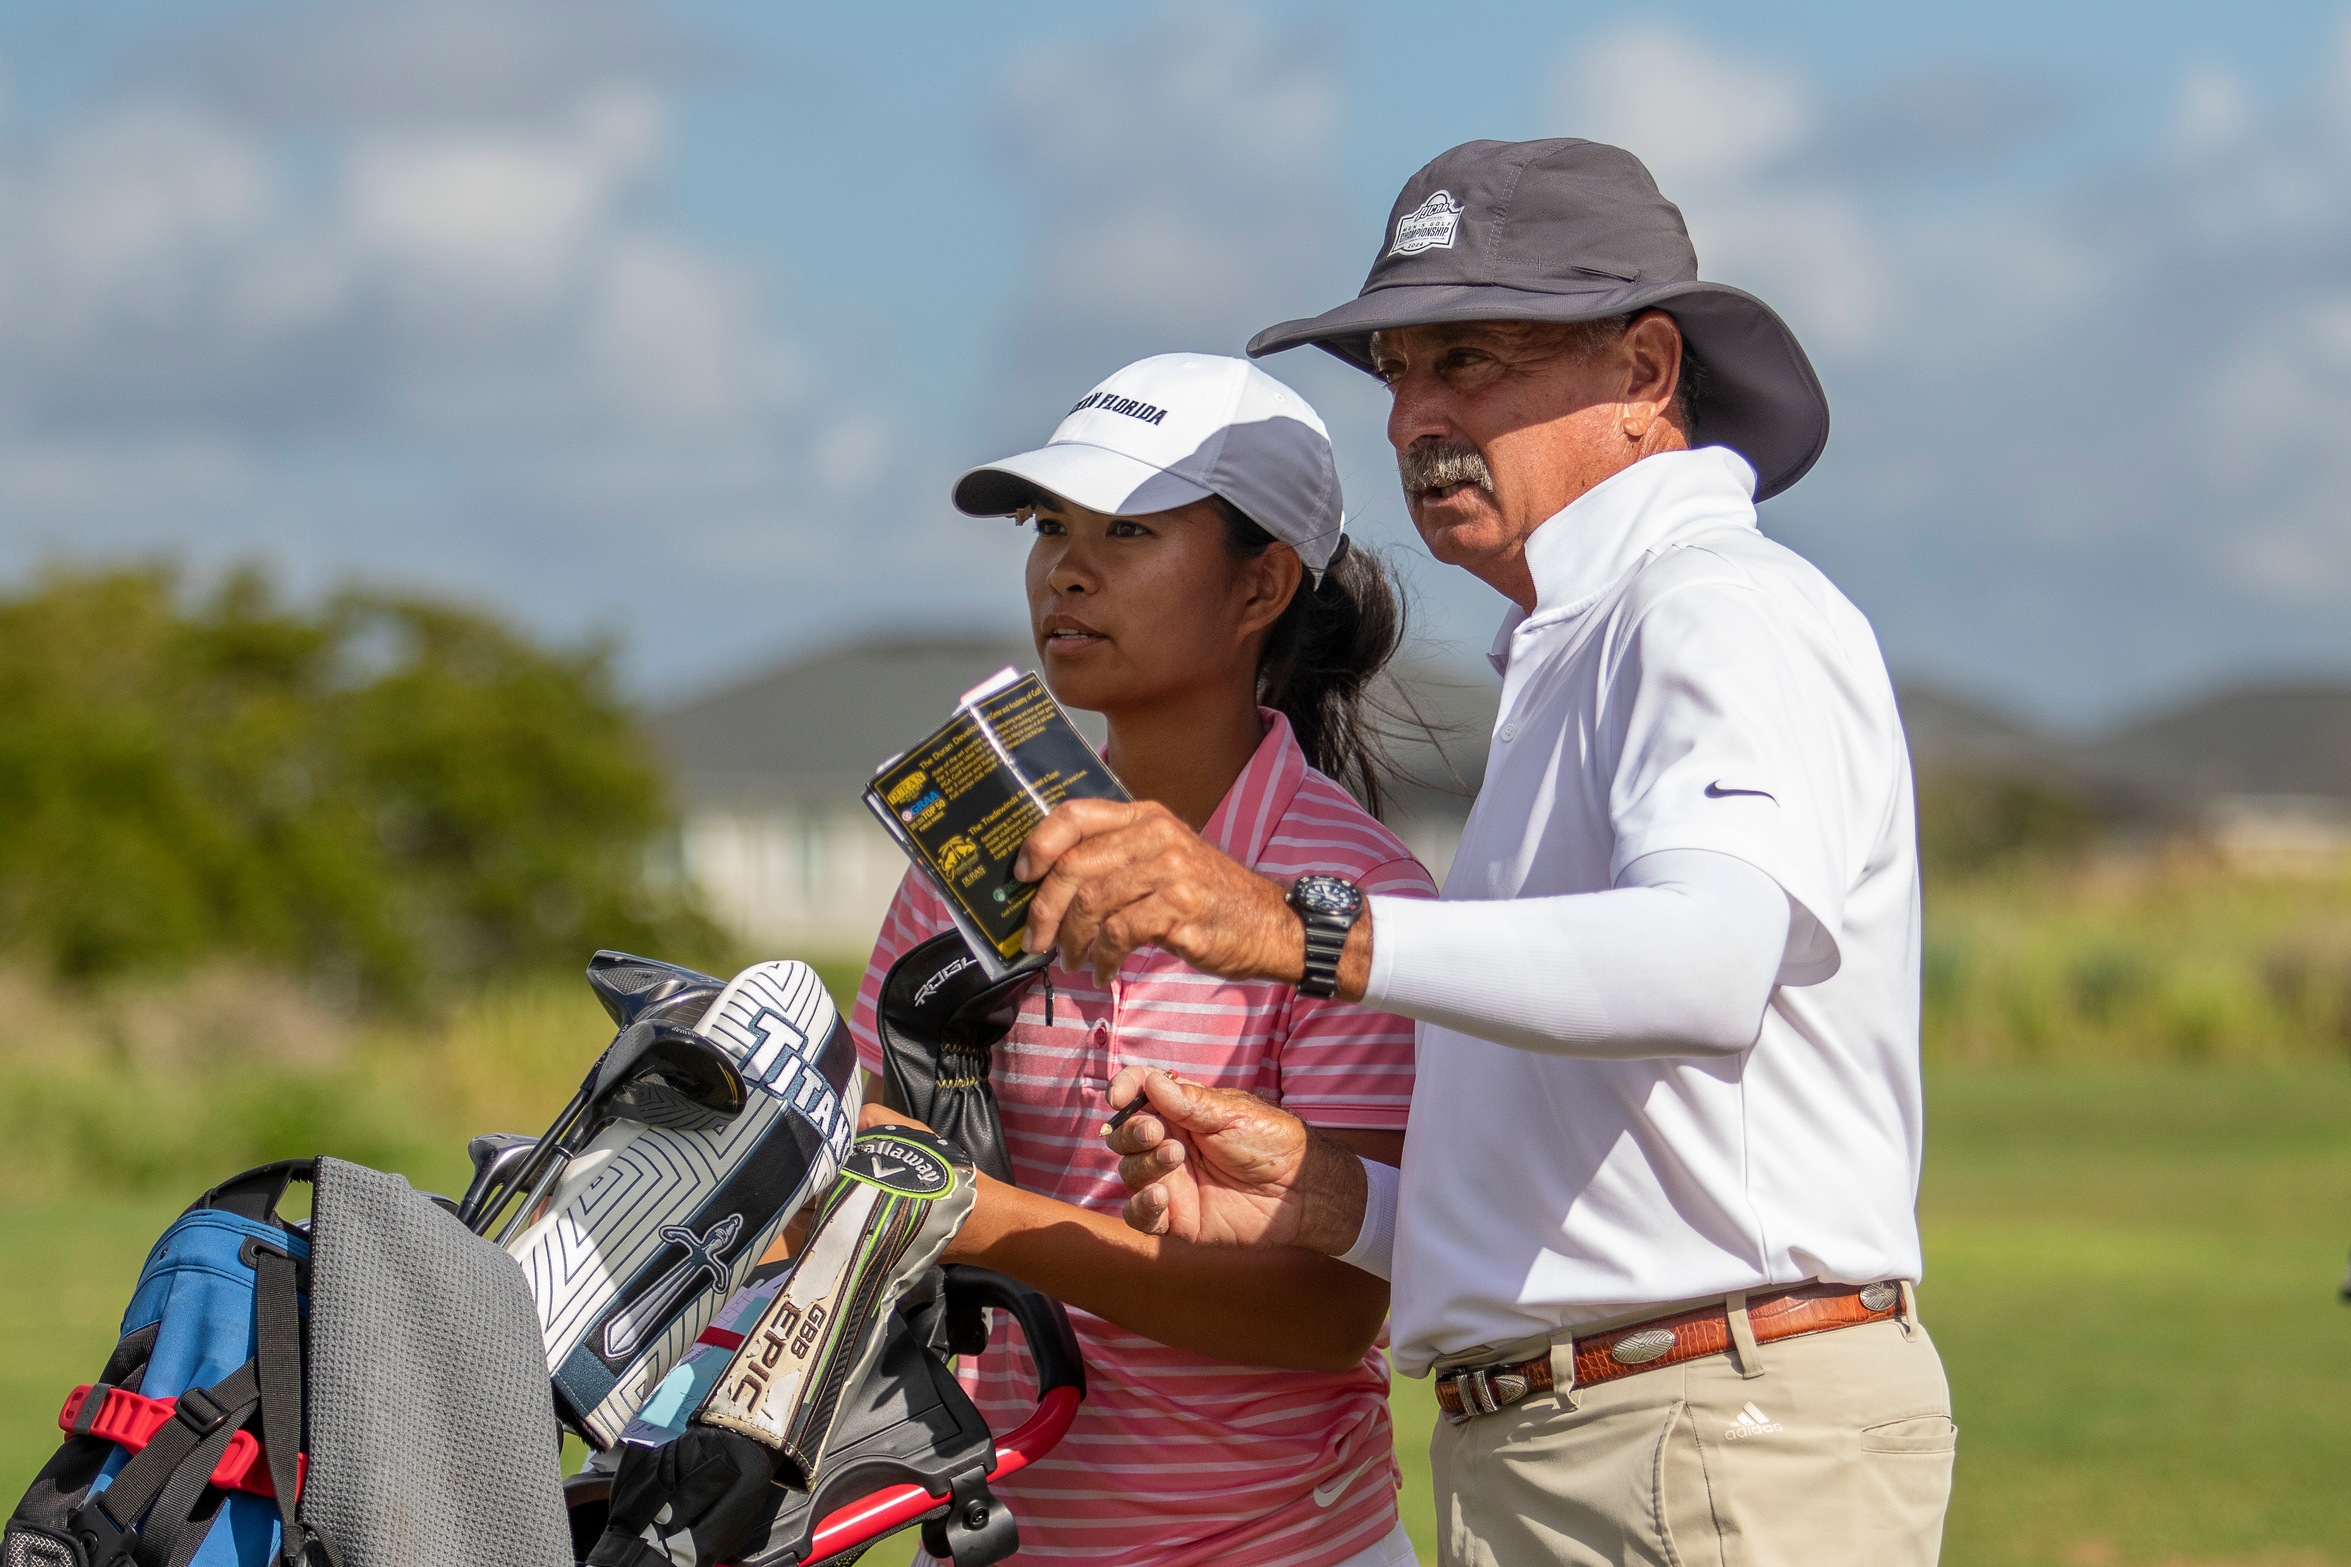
(1569, 230)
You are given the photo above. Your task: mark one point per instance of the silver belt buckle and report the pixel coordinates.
(1474, 1385)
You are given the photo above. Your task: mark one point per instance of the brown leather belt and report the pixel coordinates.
(1668, 1341)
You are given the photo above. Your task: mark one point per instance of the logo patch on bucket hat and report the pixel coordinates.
(1433, 225)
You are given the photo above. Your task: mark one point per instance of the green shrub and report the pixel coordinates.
(381, 792)
(167, 1085)
(1970, 823)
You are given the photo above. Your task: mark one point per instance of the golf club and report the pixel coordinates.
(528, 1174)
(655, 1073)
(679, 1080)
(630, 989)
(494, 1155)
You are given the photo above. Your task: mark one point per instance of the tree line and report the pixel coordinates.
(380, 789)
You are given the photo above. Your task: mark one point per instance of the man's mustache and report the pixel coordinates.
(1430, 465)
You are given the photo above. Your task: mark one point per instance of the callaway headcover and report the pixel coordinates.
(700, 1498)
(940, 1019)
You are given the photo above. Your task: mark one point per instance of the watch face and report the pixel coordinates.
(1326, 895)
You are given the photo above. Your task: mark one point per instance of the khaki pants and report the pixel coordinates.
(1836, 1449)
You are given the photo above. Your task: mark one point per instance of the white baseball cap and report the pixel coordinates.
(1174, 429)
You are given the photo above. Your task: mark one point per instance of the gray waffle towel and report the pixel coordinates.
(433, 1440)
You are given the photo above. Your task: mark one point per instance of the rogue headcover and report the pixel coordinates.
(940, 1019)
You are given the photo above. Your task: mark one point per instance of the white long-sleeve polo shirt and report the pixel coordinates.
(1682, 684)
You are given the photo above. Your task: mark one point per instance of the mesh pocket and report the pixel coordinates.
(28, 1546)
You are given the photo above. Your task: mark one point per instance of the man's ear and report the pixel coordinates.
(1651, 356)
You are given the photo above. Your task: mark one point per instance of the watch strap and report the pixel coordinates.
(1326, 938)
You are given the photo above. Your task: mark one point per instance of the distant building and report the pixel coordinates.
(769, 772)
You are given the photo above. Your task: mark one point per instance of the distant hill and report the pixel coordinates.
(768, 771)
(2260, 740)
(816, 728)
(1947, 731)
(2265, 741)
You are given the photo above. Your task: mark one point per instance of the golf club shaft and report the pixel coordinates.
(494, 1199)
(551, 1173)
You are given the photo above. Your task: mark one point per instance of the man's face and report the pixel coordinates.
(1499, 424)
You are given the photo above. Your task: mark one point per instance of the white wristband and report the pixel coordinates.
(1374, 1250)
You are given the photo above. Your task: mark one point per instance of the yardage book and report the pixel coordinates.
(961, 802)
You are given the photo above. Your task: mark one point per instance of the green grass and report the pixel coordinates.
(2131, 1273)
(2133, 1280)
(2132, 1277)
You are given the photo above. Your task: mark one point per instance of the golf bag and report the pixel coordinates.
(647, 1229)
(817, 1413)
(361, 1388)
(940, 1018)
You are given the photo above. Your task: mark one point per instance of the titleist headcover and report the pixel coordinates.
(653, 1227)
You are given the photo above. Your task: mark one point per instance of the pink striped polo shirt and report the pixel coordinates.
(1175, 1459)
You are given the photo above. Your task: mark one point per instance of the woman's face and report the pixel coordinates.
(1129, 611)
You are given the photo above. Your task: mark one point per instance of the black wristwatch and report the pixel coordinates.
(1328, 906)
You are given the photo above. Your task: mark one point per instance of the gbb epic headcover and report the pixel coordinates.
(701, 1496)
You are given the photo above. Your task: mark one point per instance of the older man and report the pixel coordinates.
(1655, 1233)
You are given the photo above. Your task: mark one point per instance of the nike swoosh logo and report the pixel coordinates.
(1715, 791)
(1328, 1492)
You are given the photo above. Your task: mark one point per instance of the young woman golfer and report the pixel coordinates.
(1191, 583)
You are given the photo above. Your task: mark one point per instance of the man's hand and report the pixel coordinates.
(1225, 1168)
(1116, 876)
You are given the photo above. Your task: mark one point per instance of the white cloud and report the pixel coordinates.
(1183, 191)
(383, 289)
(1719, 133)
(1694, 114)
(2211, 112)
(2091, 435)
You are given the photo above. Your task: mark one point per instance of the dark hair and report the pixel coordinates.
(1320, 658)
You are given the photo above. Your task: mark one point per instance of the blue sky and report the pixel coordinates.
(674, 320)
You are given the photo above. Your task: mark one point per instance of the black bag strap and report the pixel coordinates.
(171, 1535)
(203, 1420)
(277, 1324)
(130, 1356)
(147, 1514)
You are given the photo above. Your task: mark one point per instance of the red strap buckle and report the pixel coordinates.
(130, 1421)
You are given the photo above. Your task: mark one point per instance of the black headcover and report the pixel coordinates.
(940, 1018)
(702, 1497)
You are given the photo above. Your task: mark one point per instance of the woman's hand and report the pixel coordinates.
(871, 1115)
(1225, 1168)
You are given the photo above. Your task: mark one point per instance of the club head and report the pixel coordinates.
(489, 1146)
(662, 1074)
(633, 988)
(495, 1156)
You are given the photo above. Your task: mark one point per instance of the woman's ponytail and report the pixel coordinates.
(1320, 659)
